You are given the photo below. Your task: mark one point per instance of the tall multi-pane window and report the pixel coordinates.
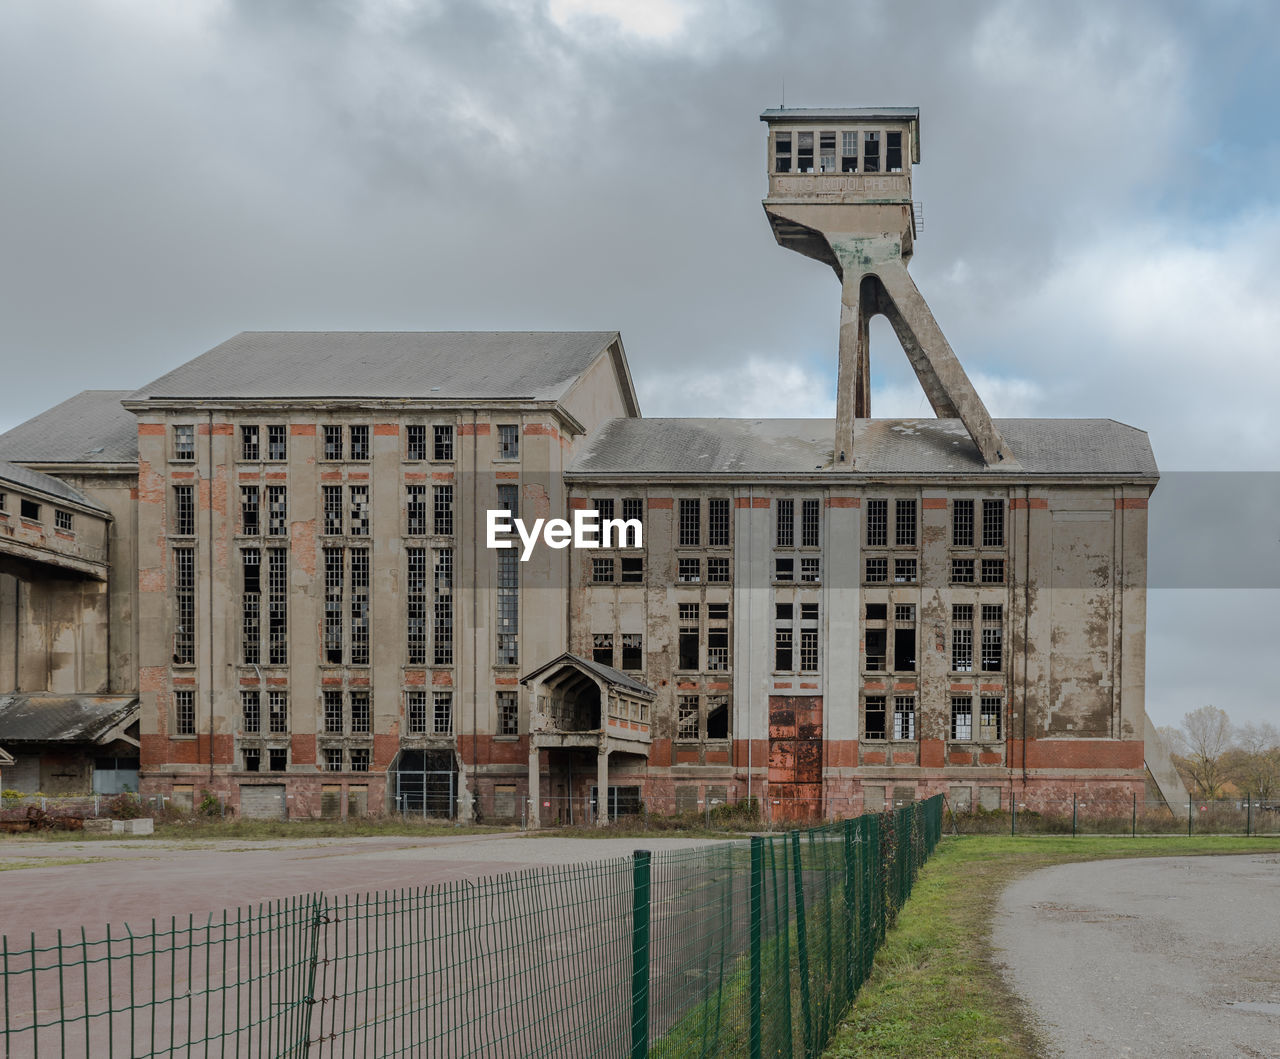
(250, 523)
(873, 724)
(334, 586)
(442, 443)
(184, 441)
(442, 525)
(508, 713)
(961, 717)
(989, 720)
(992, 637)
(277, 442)
(359, 438)
(810, 524)
(249, 444)
(415, 708)
(904, 717)
(690, 522)
(509, 500)
(904, 637)
(361, 715)
(603, 505)
(877, 523)
(333, 447)
(785, 525)
(993, 523)
(184, 583)
(508, 608)
(962, 637)
(333, 721)
(277, 511)
(184, 510)
(602, 648)
(633, 509)
(508, 441)
(718, 522)
(251, 605)
(687, 717)
(993, 571)
(359, 499)
(808, 650)
(277, 712)
(962, 523)
(442, 608)
(415, 442)
(442, 713)
(184, 708)
(251, 711)
(416, 614)
(359, 606)
(904, 523)
(332, 498)
(277, 606)
(416, 510)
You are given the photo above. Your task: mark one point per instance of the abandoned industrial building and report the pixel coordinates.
(264, 575)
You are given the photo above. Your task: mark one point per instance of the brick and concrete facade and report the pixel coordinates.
(824, 615)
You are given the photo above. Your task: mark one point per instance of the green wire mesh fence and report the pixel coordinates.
(734, 949)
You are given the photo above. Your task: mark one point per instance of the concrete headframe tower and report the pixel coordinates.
(840, 192)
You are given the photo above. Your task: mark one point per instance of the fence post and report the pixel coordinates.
(1248, 814)
(1189, 804)
(1013, 813)
(1133, 828)
(757, 913)
(1073, 814)
(802, 942)
(640, 954)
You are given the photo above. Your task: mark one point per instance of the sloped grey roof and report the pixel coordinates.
(91, 427)
(883, 446)
(608, 674)
(45, 483)
(36, 717)
(443, 365)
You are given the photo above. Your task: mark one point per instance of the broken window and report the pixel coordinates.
(184, 442)
(904, 717)
(690, 523)
(904, 571)
(993, 571)
(782, 654)
(804, 152)
(876, 650)
(508, 608)
(904, 523)
(252, 756)
(184, 583)
(904, 649)
(877, 611)
(443, 442)
(874, 717)
(717, 717)
(871, 152)
(689, 571)
(416, 510)
(29, 510)
(632, 570)
(184, 706)
(184, 510)
(360, 442)
(358, 496)
(62, 521)
(415, 442)
(688, 637)
(962, 571)
(602, 648)
(508, 442)
(717, 571)
(687, 717)
(785, 524)
(962, 717)
(509, 499)
(443, 509)
(249, 449)
(893, 152)
(633, 508)
(810, 570)
(277, 442)
(989, 720)
(962, 523)
(333, 711)
(277, 712)
(278, 758)
(877, 571)
(877, 523)
(359, 606)
(603, 505)
(416, 712)
(782, 152)
(416, 613)
(602, 571)
(993, 612)
(334, 586)
(277, 606)
(359, 759)
(784, 568)
(251, 605)
(992, 648)
(360, 715)
(718, 522)
(962, 638)
(277, 511)
(993, 523)
(442, 619)
(848, 152)
(827, 152)
(251, 709)
(508, 713)
(332, 502)
(632, 651)
(810, 524)
(333, 759)
(332, 442)
(718, 650)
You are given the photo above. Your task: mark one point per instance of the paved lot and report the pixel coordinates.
(131, 880)
(1166, 957)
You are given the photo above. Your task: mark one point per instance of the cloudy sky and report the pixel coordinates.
(1101, 190)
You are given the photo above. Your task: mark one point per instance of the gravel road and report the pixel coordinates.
(1166, 957)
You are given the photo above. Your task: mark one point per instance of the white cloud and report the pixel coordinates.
(760, 387)
(659, 21)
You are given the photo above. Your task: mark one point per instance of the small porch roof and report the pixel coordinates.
(615, 678)
(40, 717)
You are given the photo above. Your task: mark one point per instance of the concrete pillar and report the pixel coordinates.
(535, 796)
(602, 787)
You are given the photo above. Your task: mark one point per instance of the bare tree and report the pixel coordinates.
(1257, 759)
(1206, 734)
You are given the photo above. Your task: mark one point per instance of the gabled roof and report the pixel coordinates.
(615, 677)
(424, 365)
(54, 488)
(728, 447)
(37, 717)
(91, 427)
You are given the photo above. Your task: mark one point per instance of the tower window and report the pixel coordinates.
(848, 152)
(827, 151)
(871, 152)
(804, 152)
(782, 152)
(893, 152)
